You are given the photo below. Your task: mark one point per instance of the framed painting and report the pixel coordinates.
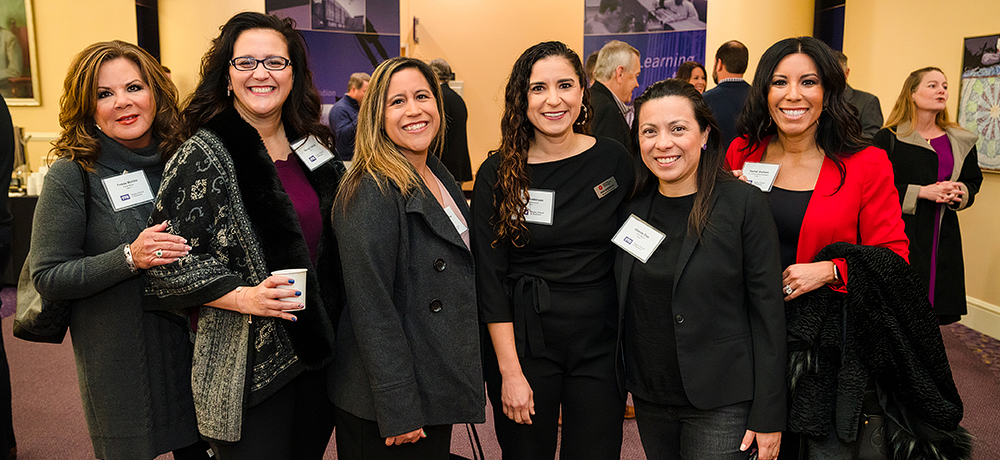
(979, 105)
(18, 62)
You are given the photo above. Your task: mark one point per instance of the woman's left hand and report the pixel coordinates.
(155, 247)
(799, 279)
(768, 444)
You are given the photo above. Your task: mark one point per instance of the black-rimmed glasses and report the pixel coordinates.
(246, 63)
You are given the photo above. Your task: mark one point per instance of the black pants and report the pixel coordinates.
(359, 439)
(577, 372)
(293, 424)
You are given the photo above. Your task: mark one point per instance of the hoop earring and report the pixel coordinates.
(769, 121)
(585, 116)
(229, 92)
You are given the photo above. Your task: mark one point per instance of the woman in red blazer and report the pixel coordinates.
(831, 186)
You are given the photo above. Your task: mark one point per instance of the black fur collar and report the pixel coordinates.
(277, 228)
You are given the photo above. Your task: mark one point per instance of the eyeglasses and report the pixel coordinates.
(246, 63)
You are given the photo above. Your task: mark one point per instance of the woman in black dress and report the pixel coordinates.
(545, 207)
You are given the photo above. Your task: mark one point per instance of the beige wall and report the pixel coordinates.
(187, 28)
(757, 24)
(886, 40)
(62, 29)
(481, 40)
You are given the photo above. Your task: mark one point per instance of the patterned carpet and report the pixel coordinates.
(985, 347)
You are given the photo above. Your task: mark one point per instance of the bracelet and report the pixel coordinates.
(129, 261)
(836, 273)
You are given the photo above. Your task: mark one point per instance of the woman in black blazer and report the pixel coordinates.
(408, 363)
(702, 319)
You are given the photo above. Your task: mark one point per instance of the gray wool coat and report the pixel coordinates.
(408, 344)
(133, 366)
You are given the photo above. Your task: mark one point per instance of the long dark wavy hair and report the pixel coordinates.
(839, 131)
(78, 139)
(300, 112)
(513, 176)
(711, 166)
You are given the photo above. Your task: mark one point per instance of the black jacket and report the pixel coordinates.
(455, 151)
(914, 164)
(609, 121)
(729, 315)
(883, 330)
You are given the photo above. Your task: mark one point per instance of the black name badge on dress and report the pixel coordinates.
(311, 152)
(606, 187)
(128, 189)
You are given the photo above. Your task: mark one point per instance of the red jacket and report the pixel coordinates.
(864, 211)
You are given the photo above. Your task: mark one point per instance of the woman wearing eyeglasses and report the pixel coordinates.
(251, 202)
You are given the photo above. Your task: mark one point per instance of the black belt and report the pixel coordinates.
(530, 297)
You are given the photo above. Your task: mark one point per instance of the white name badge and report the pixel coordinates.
(128, 190)
(638, 238)
(456, 221)
(541, 206)
(761, 174)
(311, 152)
(606, 187)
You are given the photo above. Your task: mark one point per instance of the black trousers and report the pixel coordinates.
(293, 424)
(359, 439)
(576, 373)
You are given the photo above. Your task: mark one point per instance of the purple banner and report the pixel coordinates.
(666, 33)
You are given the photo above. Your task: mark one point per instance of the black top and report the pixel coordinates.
(788, 208)
(455, 151)
(651, 367)
(576, 249)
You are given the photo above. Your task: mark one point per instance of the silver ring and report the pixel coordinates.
(788, 289)
(159, 253)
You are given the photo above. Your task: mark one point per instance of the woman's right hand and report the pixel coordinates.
(262, 299)
(404, 438)
(518, 399)
(154, 247)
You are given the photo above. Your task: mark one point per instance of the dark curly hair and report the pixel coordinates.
(711, 166)
(300, 112)
(517, 131)
(839, 131)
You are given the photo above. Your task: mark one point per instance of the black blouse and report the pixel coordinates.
(576, 249)
(788, 208)
(651, 365)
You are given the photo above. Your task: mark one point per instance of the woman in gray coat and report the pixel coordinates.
(90, 245)
(408, 363)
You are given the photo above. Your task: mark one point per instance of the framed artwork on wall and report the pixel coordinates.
(18, 63)
(979, 105)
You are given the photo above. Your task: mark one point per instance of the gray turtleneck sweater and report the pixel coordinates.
(133, 366)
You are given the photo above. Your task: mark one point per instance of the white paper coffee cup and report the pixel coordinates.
(299, 275)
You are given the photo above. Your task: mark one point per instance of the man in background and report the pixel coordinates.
(869, 108)
(344, 115)
(455, 151)
(727, 98)
(615, 77)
